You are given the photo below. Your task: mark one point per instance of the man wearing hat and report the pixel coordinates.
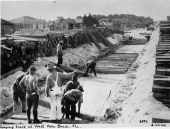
(30, 84)
(71, 97)
(54, 84)
(60, 53)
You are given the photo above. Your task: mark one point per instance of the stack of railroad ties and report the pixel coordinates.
(161, 85)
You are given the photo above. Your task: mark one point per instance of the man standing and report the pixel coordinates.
(71, 97)
(53, 90)
(30, 84)
(91, 64)
(59, 53)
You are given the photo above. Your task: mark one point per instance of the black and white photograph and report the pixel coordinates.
(84, 64)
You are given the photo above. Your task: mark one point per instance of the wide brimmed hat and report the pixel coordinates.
(80, 88)
(32, 67)
(51, 66)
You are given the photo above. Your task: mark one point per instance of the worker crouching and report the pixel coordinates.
(71, 97)
(91, 64)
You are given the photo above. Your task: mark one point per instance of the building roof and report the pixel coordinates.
(69, 20)
(26, 19)
(4, 22)
(104, 19)
(78, 21)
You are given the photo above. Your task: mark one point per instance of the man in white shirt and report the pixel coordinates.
(54, 91)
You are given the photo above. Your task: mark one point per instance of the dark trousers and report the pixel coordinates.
(92, 67)
(70, 104)
(60, 60)
(32, 101)
(22, 97)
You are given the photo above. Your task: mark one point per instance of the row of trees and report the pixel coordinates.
(138, 21)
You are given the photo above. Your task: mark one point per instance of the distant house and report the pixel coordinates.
(79, 23)
(120, 23)
(69, 24)
(53, 26)
(27, 22)
(66, 24)
(105, 22)
(6, 27)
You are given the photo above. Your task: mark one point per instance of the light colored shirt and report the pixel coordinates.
(30, 83)
(74, 95)
(56, 76)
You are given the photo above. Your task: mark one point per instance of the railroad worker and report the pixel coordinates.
(53, 90)
(148, 37)
(48, 37)
(73, 84)
(91, 64)
(19, 93)
(71, 97)
(60, 53)
(30, 84)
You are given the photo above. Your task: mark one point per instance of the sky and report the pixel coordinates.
(49, 10)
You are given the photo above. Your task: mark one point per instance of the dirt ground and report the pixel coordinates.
(130, 94)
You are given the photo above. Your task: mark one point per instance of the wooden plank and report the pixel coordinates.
(108, 64)
(120, 59)
(163, 47)
(107, 41)
(110, 67)
(164, 101)
(163, 44)
(162, 65)
(162, 81)
(162, 57)
(161, 76)
(88, 40)
(110, 71)
(163, 60)
(166, 54)
(103, 41)
(159, 116)
(125, 54)
(164, 40)
(160, 89)
(94, 39)
(161, 95)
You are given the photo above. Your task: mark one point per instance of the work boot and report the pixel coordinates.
(28, 117)
(35, 114)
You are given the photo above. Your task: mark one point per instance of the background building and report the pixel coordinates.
(6, 27)
(27, 22)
